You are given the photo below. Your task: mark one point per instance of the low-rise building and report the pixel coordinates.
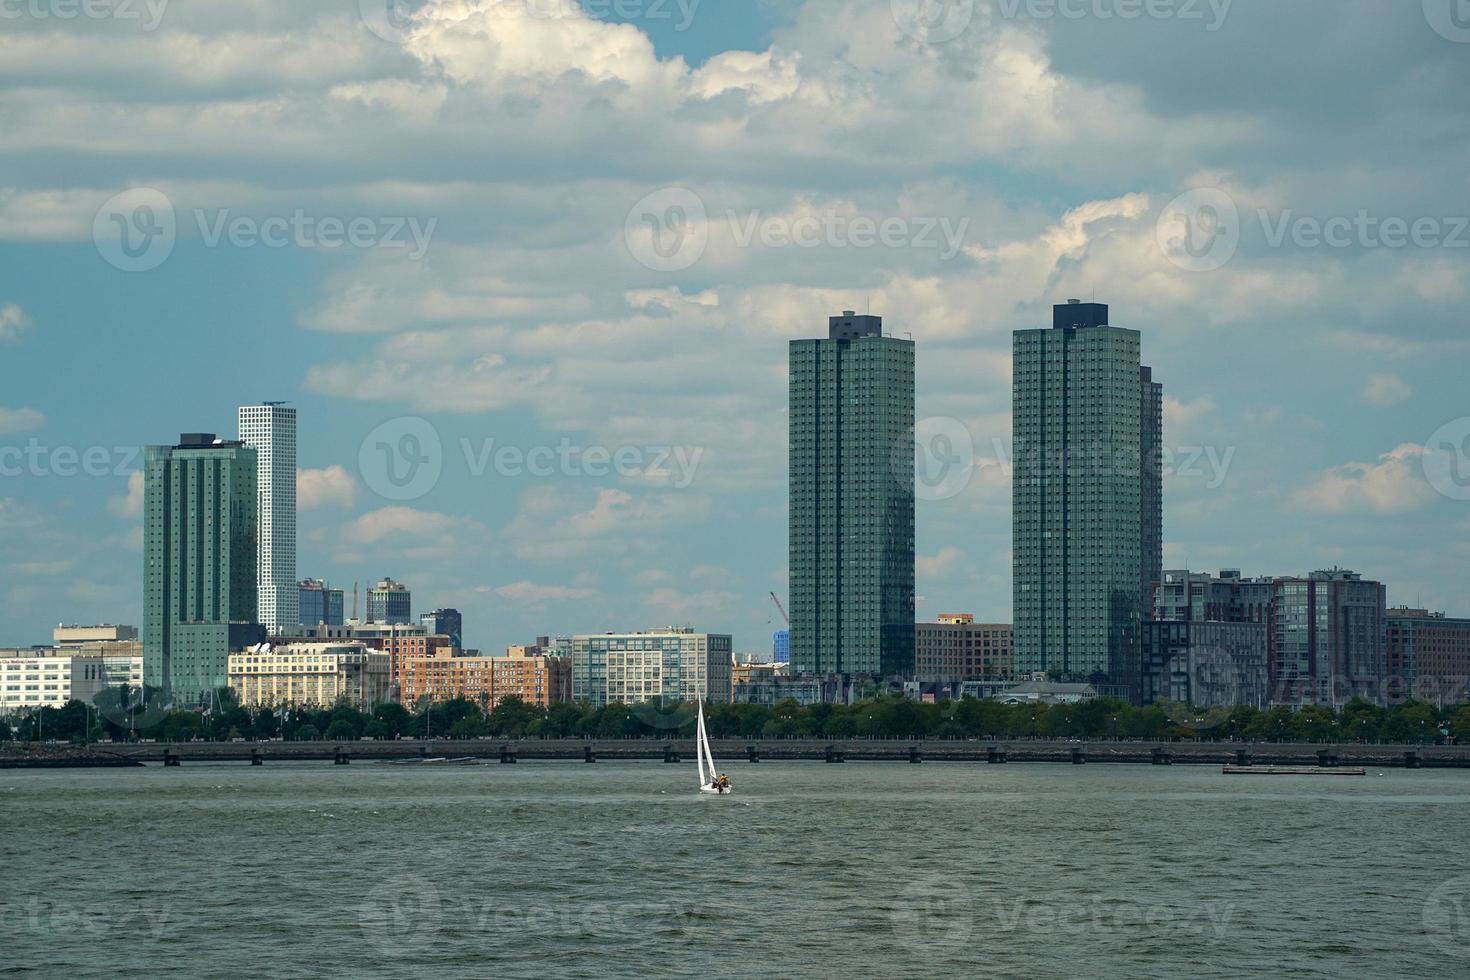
(657, 665)
(958, 649)
(313, 675)
(1046, 692)
(760, 688)
(442, 676)
(71, 636)
(48, 678)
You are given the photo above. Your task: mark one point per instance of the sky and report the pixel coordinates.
(528, 270)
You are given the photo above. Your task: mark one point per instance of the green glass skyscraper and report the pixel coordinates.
(852, 501)
(199, 581)
(1087, 526)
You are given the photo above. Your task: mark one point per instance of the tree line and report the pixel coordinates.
(117, 716)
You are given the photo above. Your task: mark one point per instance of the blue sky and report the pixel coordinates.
(1319, 383)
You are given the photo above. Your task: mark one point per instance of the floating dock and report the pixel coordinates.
(1292, 771)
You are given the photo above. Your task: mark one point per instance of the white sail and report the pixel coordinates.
(703, 756)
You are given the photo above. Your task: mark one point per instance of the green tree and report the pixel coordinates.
(308, 733)
(6, 733)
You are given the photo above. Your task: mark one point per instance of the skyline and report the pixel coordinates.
(1318, 372)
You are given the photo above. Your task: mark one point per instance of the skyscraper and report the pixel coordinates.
(389, 602)
(270, 429)
(445, 622)
(199, 565)
(852, 500)
(319, 605)
(1087, 525)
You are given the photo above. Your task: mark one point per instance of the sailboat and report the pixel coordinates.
(710, 781)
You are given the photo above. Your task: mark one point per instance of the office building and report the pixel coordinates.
(445, 622)
(71, 636)
(1086, 525)
(270, 429)
(1428, 656)
(957, 649)
(389, 602)
(309, 675)
(1205, 664)
(659, 665)
(199, 565)
(48, 678)
(781, 647)
(319, 604)
(851, 524)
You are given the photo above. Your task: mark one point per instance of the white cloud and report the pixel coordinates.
(1384, 390)
(676, 608)
(330, 487)
(13, 320)
(16, 420)
(532, 594)
(1183, 414)
(938, 565)
(1393, 484)
(130, 504)
(409, 534)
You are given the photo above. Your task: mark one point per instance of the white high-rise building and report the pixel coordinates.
(270, 429)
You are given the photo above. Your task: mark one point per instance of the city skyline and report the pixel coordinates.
(1304, 380)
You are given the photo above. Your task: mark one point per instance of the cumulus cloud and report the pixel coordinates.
(409, 534)
(13, 320)
(130, 504)
(330, 487)
(17, 420)
(1384, 390)
(1393, 484)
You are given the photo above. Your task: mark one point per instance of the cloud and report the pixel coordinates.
(559, 523)
(330, 487)
(409, 534)
(1384, 390)
(676, 608)
(131, 504)
(1392, 485)
(532, 594)
(13, 320)
(1183, 413)
(16, 420)
(938, 565)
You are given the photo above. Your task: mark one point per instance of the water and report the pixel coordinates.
(809, 870)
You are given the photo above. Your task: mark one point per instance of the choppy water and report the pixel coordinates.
(570, 870)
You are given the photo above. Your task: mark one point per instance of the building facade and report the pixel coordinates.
(199, 563)
(1205, 664)
(851, 524)
(445, 622)
(1428, 656)
(658, 665)
(270, 429)
(309, 675)
(1086, 525)
(957, 649)
(442, 676)
(46, 678)
(1328, 639)
(319, 604)
(71, 636)
(1225, 598)
(389, 602)
(781, 647)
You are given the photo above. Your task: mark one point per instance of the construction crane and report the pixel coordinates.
(782, 609)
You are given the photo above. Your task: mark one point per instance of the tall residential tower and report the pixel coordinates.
(270, 429)
(1087, 526)
(852, 501)
(199, 581)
